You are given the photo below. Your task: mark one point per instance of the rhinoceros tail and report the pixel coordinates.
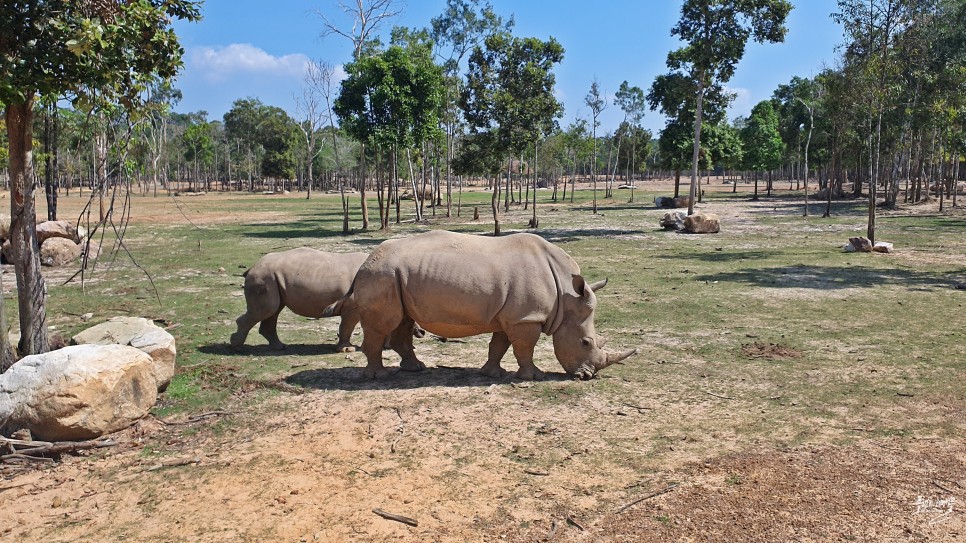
(335, 309)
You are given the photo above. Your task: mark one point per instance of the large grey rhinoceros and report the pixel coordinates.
(303, 280)
(457, 285)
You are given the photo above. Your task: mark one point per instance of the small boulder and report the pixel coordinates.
(78, 392)
(860, 244)
(56, 229)
(664, 201)
(673, 220)
(58, 252)
(702, 223)
(682, 201)
(882, 247)
(140, 333)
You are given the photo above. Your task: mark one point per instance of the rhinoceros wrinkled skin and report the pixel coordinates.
(303, 280)
(455, 285)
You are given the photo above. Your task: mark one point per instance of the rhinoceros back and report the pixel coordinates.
(458, 284)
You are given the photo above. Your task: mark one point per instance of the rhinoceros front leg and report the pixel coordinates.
(499, 344)
(401, 341)
(523, 338)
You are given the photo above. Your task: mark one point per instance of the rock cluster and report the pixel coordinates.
(104, 384)
(60, 242)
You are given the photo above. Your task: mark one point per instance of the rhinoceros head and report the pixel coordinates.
(575, 342)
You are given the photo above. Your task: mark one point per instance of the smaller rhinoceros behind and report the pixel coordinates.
(303, 280)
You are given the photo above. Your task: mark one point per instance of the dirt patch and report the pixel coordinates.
(769, 351)
(875, 491)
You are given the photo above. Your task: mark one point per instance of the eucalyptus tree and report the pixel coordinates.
(367, 17)
(509, 95)
(463, 25)
(675, 96)
(633, 103)
(597, 104)
(392, 100)
(763, 146)
(871, 30)
(87, 51)
(716, 33)
(199, 149)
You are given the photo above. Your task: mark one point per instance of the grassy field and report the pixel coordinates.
(766, 340)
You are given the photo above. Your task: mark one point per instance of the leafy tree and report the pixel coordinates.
(463, 25)
(597, 104)
(90, 51)
(762, 141)
(392, 100)
(716, 32)
(675, 96)
(632, 102)
(509, 95)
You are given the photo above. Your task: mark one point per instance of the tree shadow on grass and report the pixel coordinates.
(351, 378)
(719, 256)
(835, 277)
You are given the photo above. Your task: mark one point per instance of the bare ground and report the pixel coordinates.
(473, 459)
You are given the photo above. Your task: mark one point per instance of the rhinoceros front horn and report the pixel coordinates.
(613, 358)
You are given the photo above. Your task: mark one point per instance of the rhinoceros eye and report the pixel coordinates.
(586, 342)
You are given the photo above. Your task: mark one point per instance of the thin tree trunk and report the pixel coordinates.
(697, 145)
(31, 289)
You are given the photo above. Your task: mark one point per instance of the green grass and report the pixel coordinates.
(871, 328)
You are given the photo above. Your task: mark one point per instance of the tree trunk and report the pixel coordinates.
(31, 289)
(495, 205)
(697, 145)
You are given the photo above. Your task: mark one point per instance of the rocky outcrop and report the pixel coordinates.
(702, 223)
(78, 392)
(673, 220)
(58, 251)
(141, 334)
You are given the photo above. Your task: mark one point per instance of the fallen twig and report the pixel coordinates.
(23, 457)
(572, 521)
(941, 487)
(175, 463)
(664, 490)
(397, 518)
(195, 418)
(553, 529)
(638, 407)
(536, 472)
(905, 394)
(717, 395)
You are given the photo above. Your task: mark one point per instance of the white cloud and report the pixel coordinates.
(741, 107)
(219, 63)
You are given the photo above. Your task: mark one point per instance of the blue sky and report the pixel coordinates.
(249, 48)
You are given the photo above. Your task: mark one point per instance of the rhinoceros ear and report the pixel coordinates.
(579, 284)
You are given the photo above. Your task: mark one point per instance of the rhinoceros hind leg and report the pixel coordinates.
(401, 341)
(499, 344)
(372, 344)
(269, 330)
(245, 324)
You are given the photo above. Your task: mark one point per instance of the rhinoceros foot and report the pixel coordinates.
(375, 373)
(412, 364)
(494, 371)
(530, 373)
(345, 347)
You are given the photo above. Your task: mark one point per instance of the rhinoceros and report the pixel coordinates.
(456, 285)
(304, 280)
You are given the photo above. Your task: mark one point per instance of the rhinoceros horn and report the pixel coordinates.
(613, 358)
(598, 285)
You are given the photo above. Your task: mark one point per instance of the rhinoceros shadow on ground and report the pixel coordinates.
(351, 379)
(291, 349)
